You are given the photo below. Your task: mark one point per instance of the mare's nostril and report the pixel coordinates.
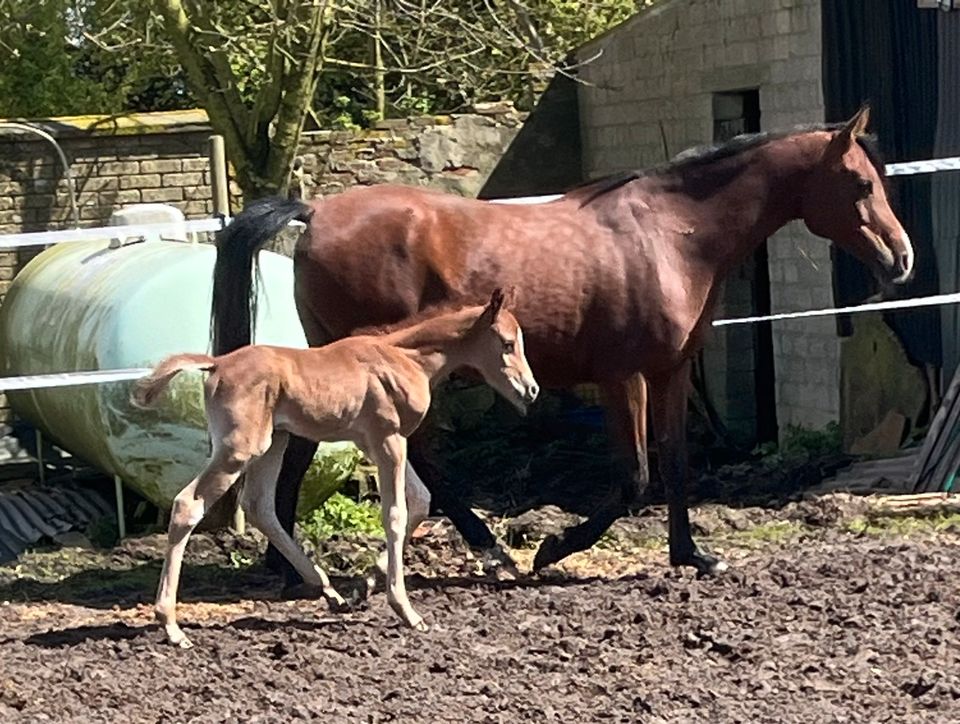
(905, 262)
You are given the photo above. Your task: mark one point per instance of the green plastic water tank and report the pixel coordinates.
(84, 306)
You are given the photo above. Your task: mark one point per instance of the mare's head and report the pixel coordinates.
(845, 201)
(494, 348)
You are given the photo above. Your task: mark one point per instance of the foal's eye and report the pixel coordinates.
(508, 347)
(865, 186)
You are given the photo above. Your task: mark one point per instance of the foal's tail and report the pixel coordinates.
(234, 311)
(147, 389)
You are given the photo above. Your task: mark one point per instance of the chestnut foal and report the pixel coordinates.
(372, 390)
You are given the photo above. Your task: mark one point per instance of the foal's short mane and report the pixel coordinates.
(702, 155)
(432, 312)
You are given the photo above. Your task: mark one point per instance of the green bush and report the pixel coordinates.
(342, 516)
(800, 443)
(332, 466)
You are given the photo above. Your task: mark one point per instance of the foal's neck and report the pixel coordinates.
(435, 344)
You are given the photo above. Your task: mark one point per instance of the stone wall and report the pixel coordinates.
(660, 70)
(162, 157)
(455, 153)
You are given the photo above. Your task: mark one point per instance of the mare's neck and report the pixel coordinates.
(739, 201)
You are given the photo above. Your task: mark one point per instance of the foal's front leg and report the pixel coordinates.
(390, 457)
(418, 508)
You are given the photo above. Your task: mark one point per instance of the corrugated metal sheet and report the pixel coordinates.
(29, 514)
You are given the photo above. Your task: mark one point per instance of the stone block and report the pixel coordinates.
(193, 178)
(140, 181)
(163, 195)
(166, 165)
(196, 164)
(116, 168)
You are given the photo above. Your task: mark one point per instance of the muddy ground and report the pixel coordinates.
(826, 616)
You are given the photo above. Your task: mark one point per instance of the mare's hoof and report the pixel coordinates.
(420, 626)
(705, 564)
(547, 554)
(498, 562)
(301, 592)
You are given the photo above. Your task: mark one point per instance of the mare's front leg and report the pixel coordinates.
(299, 453)
(626, 414)
(188, 510)
(474, 531)
(668, 396)
(390, 456)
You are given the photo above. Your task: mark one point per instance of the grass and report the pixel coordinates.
(936, 522)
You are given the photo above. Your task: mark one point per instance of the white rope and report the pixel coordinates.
(930, 301)
(69, 379)
(911, 168)
(122, 233)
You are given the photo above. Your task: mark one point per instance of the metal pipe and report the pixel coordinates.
(121, 519)
(27, 128)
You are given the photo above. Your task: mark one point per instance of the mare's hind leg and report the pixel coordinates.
(299, 453)
(468, 524)
(259, 501)
(626, 412)
(188, 509)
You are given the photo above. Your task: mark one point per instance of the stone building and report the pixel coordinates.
(689, 72)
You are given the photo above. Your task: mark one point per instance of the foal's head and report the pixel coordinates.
(494, 347)
(845, 201)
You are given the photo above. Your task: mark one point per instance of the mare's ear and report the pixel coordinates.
(847, 136)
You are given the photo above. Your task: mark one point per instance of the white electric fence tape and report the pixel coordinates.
(67, 379)
(930, 301)
(123, 233)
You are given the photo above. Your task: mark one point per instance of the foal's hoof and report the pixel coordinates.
(419, 625)
(176, 637)
(547, 554)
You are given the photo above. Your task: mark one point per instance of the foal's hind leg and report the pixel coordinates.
(259, 501)
(188, 509)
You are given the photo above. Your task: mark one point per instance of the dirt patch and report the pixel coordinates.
(814, 623)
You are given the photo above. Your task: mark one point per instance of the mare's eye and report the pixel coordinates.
(865, 186)
(508, 347)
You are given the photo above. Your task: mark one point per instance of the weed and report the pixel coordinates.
(341, 515)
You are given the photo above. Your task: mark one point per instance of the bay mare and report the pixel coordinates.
(617, 284)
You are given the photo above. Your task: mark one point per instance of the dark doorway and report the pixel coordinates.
(751, 347)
